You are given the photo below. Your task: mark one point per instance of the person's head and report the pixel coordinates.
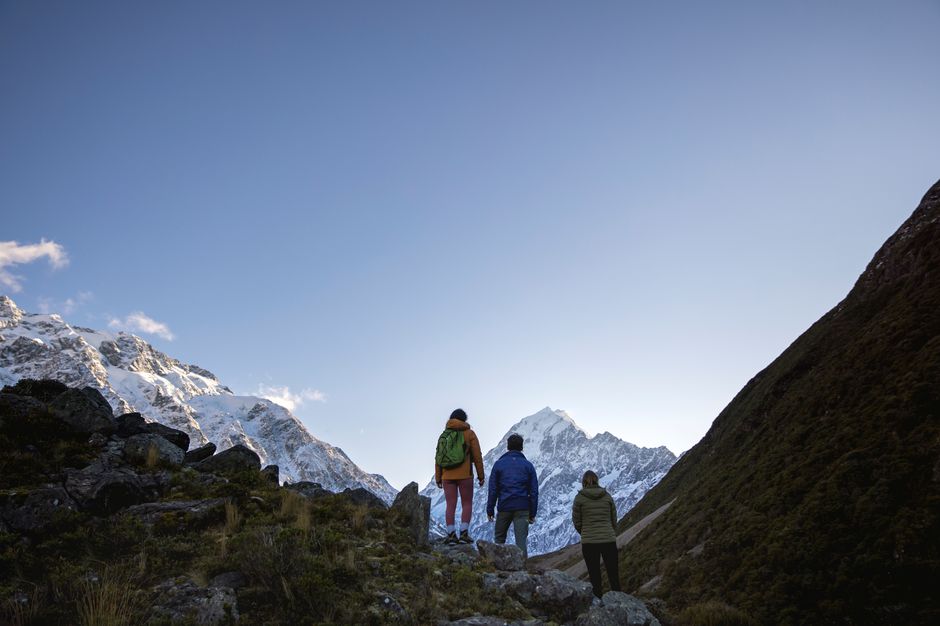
(514, 442)
(459, 414)
(589, 479)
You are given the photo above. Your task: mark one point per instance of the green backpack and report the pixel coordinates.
(451, 449)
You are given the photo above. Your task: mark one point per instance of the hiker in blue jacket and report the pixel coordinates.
(515, 486)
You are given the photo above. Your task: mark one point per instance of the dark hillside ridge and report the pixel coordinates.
(814, 497)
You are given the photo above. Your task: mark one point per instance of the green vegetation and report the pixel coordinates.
(815, 496)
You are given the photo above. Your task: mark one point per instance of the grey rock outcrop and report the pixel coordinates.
(85, 410)
(364, 497)
(149, 448)
(414, 511)
(504, 556)
(272, 473)
(102, 491)
(38, 509)
(561, 596)
(199, 454)
(191, 512)
(617, 608)
(236, 459)
(309, 489)
(183, 601)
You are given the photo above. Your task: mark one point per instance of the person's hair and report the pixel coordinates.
(459, 414)
(589, 479)
(514, 442)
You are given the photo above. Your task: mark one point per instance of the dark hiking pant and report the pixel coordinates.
(592, 558)
(520, 528)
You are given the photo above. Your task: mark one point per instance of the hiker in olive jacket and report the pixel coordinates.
(459, 480)
(595, 518)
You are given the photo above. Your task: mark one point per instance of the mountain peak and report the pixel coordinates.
(547, 422)
(9, 310)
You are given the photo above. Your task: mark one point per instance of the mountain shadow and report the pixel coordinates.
(814, 497)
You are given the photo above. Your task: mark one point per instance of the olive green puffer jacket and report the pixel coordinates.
(594, 515)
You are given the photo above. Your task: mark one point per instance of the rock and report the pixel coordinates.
(38, 509)
(184, 601)
(272, 473)
(391, 610)
(177, 437)
(85, 410)
(16, 406)
(459, 554)
(98, 440)
(561, 596)
(505, 557)
(309, 489)
(189, 512)
(130, 424)
(234, 580)
(363, 496)
(487, 620)
(520, 585)
(236, 459)
(147, 449)
(415, 511)
(102, 491)
(199, 454)
(42, 390)
(618, 608)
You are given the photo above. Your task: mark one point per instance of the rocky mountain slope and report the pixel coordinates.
(561, 452)
(135, 377)
(108, 520)
(814, 498)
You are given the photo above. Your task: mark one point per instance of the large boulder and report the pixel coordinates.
(272, 474)
(183, 601)
(618, 608)
(415, 512)
(42, 390)
(560, 596)
(364, 497)
(199, 454)
(84, 410)
(152, 450)
(191, 512)
(234, 460)
(177, 437)
(503, 556)
(102, 490)
(309, 489)
(15, 406)
(38, 509)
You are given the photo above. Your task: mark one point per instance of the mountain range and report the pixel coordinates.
(561, 452)
(135, 377)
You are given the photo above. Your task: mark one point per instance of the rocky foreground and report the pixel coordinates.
(116, 520)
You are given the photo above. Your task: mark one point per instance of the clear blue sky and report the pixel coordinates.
(620, 209)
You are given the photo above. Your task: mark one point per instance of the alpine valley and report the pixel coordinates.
(135, 377)
(561, 451)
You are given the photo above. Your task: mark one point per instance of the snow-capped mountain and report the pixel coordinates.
(561, 452)
(134, 376)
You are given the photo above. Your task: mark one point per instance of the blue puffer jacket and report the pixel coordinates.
(514, 483)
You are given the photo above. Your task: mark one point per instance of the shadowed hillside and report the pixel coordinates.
(815, 495)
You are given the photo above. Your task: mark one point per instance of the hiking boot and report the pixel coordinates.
(465, 537)
(451, 539)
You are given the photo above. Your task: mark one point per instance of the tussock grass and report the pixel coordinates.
(108, 598)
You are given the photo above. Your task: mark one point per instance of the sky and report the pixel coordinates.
(378, 212)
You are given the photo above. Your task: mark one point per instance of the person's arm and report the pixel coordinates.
(492, 492)
(477, 457)
(533, 492)
(576, 515)
(613, 513)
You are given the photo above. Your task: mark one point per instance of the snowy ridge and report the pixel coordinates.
(561, 452)
(134, 376)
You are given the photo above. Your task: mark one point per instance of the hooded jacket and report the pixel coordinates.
(514, 483)
(474, 456)
(595, 515)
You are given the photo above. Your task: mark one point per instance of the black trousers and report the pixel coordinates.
(592, 558)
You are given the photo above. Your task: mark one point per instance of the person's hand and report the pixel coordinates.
(531, 520)
(490, 518)
(480, 480)
(440, 484)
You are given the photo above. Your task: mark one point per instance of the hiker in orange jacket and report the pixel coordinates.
(459, 479)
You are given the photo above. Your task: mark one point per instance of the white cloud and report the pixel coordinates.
(13, 253)
(140, 322)
(67, 306)
(288, 399)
